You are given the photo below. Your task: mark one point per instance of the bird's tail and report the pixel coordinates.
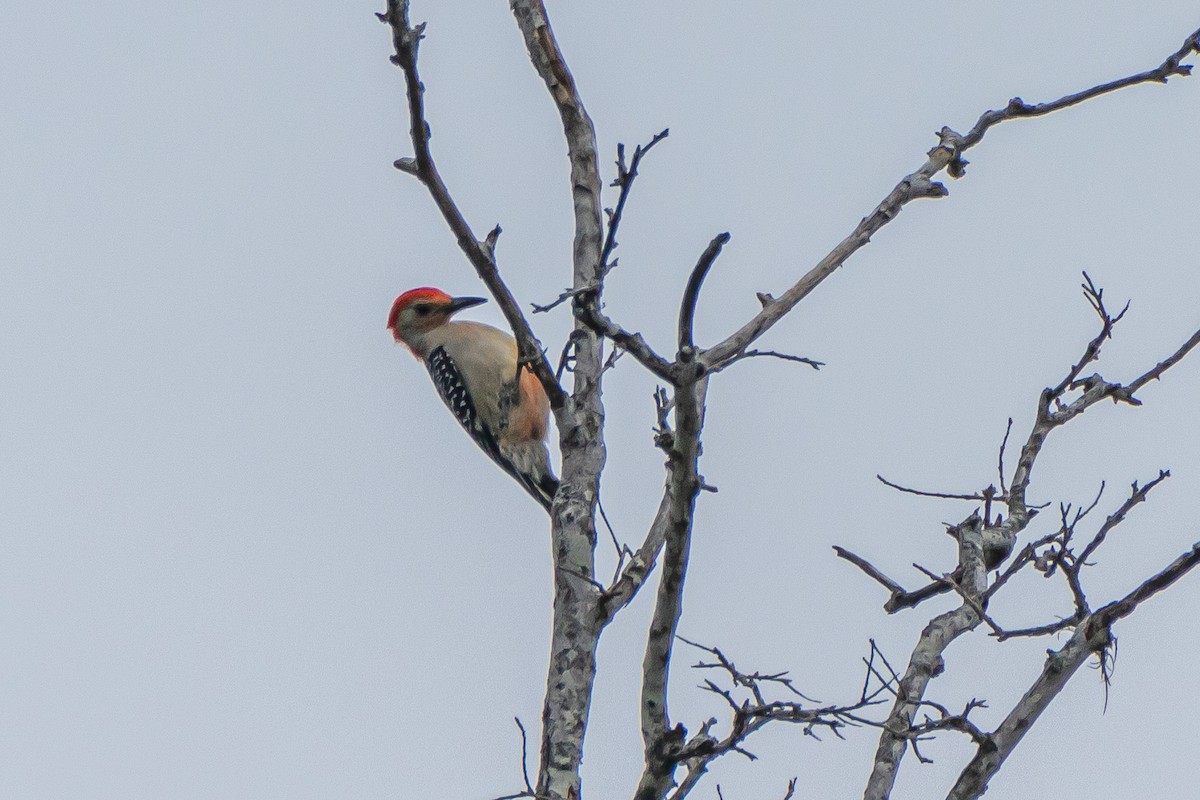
(547, 488)
(529, 463)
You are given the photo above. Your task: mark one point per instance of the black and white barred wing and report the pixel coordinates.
(453, 390)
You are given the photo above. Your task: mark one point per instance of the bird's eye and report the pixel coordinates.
(423, 310)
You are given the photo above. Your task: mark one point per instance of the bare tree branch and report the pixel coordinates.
(751, 710)
(1092, 635)
(1163, 366)
(771, 354)
(587, 310)
(915, 597)
(948, 155)
(1138, 495)
(624, 182)
(528, 790)
(926, 662)
(1060, 557)
(691, 295)
(577, 624)
(752, 681)
(1119, 609)
(1017, 108)
(566, 295)
(630, 579)
(586, 298)
(660, 740)
(1000, 459)
(870, 569)
(948, 721)
(978, 497)
(969, 580)
(1053, 411)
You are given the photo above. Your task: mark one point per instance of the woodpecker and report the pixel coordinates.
(474, 367)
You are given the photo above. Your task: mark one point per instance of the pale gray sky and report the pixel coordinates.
(246, 553)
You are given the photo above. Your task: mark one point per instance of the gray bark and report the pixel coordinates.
(577, 622)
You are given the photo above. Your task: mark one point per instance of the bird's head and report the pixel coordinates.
(418, 311)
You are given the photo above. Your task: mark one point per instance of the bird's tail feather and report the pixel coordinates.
(529, 464)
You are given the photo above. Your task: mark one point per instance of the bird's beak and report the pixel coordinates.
(459, 303)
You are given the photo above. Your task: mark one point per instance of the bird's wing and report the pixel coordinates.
(453, 391)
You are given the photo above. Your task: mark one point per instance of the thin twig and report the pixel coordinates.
(1054, 412)
(1164, 365)
(977, 496)
(870, 569)
(1138, 495)
(1003, 445)
(567, 294)
(772, 354)
(624, 181)
(528, 790)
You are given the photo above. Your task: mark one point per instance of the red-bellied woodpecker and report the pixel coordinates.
(474, 366)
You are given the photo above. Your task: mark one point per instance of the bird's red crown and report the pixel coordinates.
(411, 296)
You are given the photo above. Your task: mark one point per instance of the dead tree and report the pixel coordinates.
(992, 542)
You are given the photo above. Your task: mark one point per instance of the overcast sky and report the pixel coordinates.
(245, 552)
